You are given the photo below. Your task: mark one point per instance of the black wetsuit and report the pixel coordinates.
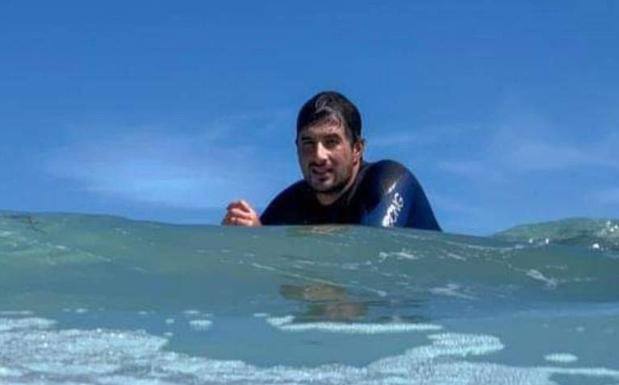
(384, 193)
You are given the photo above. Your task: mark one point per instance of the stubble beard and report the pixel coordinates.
(337, 187)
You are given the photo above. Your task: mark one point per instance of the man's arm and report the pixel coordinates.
(240, 213)
(286, 207)
(394, 197)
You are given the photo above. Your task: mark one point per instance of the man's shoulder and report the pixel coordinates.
(385, 172)
(387, 165)
(393, 196)
(285, 205)
(293, 191)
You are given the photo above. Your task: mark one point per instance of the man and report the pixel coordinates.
(337, 185)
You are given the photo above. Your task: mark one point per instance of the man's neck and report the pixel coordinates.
(326, 199)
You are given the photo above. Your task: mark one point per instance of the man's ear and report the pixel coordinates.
(357, 149)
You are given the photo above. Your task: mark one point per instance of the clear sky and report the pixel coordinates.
(507, 111)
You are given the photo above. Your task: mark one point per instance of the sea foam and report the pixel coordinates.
(287, 324)
(31, 351)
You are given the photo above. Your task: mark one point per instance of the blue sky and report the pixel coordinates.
(507, 112)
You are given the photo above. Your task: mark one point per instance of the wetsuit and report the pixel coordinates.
(384, 194)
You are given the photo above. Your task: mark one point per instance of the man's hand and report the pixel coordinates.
(240, 213)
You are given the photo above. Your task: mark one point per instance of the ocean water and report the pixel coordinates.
(104, 300)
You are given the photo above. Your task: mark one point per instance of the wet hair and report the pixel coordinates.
(331, 106)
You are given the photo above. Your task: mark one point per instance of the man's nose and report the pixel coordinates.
(321, 152)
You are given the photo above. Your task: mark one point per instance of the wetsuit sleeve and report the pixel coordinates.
(284, 208)
(394, 197)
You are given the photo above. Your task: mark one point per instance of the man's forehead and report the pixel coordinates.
(329, 127)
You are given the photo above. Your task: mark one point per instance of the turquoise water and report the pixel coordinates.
(105, 300)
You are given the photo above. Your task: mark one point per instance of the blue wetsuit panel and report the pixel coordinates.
(384, 194)
(394, 197)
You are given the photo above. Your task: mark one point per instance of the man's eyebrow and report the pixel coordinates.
(331, 135)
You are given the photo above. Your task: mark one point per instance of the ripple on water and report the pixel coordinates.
(563, 358)
(200, 324)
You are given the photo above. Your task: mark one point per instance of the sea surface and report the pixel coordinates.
(90, 299)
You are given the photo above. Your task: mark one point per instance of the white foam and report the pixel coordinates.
(564, 358)
(609, 229)
(64, 357)
(71, 352)
(451, 290)
(263, 267)
(287, 324)
(191, 312)
(200, 324)
(6, 372)
(444, 345)
(403, 254)
(280, 321)
(9, 324)
(16, 313)
(169, 321)
(455, 256)
(130, 380)
(537, 275)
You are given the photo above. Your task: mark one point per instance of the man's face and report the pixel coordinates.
(327, 157)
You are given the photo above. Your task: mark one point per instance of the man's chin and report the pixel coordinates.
(327, 188)
(321, 187)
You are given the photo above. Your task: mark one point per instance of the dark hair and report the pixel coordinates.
(328, 105)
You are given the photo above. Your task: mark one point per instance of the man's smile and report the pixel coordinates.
(321, 172)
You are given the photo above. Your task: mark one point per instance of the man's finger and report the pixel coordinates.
(237, 212)
(234, 204)
(243, 205)
(242, 222)
(246, 205)
(226, 220)
(231, 220)
(237, 221)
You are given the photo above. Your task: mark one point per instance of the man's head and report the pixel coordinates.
(331, 105)
(329, 143)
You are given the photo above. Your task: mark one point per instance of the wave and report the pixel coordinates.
(84, 260)
(598, 234)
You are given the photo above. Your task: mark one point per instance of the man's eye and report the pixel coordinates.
(330, 143)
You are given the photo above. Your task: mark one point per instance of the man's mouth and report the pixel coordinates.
(321, 173)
